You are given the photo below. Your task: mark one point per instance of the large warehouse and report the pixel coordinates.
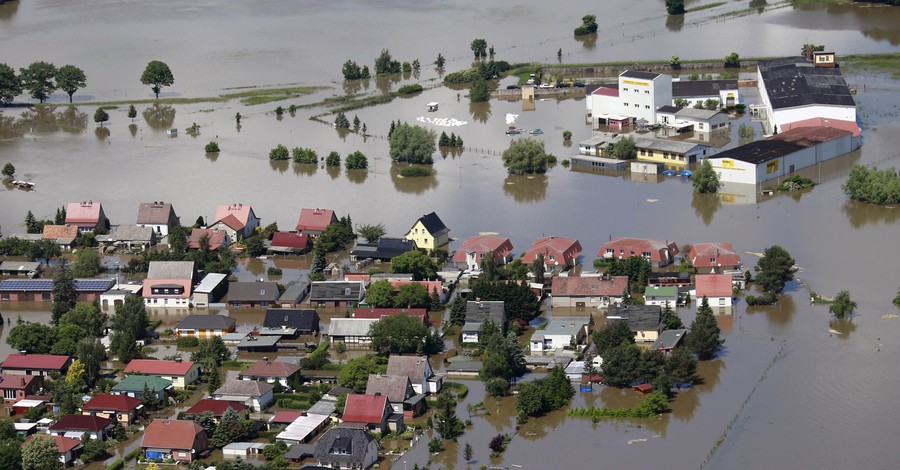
(780, 155)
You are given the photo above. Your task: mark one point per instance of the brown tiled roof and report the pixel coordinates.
(714, 285)
(564, 250)
(364, 408)
(171, 434)
(612, 286)
(656, 248)
(108, 402)
(64, 444)
(217, 407)
(395, 387)
(290, 239)
(723, 253)
(413, 367)
(83, 213)
(216, 238)
(81, 423)
(263, 368)
(240, 212)
(16, 381)
(154, 367)
(35, 361)
(52, 232)
(480, 245)
(156, 213)
(315, 219)
(244, 388)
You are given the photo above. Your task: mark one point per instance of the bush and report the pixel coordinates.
(461, 390)
(873, 185)
(768, 298)
(273, 271)
(566, 162)
(462, 76)
(796, 183)
(356, 161)
(415, 171)
(410, 89)
(187, 342)
(588, 25)
(212, 147)
(280, 152)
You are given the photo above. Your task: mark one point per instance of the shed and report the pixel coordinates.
(243, 449)
(643, 388)
(433, 106)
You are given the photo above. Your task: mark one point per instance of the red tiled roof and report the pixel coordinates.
(216, 238)
(810, 136)
(108, 402)
(430, 285)
(59, 231)
(501, 246)
(65, 444)
(606, 91)
(240, 212)
(723, 253)
(379, 313)
(83, 213)
(86, 423)
(171, 434)
(290, 239)
(286, 417)
(263, 368)
(848, 126)
(232, 221)
(153, 367)
(656, 248)
(563, 250)
(714, 285)
(17, 382)
(364, 408)
(612, 286)
(218, 407)
(147, 291)
(35, 361)
(357, 277)
(315, 219)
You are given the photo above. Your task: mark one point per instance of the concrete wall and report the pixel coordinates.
(800, 113)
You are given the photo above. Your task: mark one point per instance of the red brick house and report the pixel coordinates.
(121, 408)
(473, 250)
(558, 252)
(659, 253)
(180, 440)
(16, 387)
(35, 364)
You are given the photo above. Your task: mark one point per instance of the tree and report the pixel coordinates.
(480, 91)
(588, 26)
(479, 48)
(621, 364)
(211, 147)
(458, 311)
(69, 79)
(371, 232)
(525, 157)
(623, 149)
(37, 79)
(774, 269)
(35, 338)
(211, 352)
(305, 155)
(157, 75)
(435, 303)
(214, 379)
(807, 49)
(10, 84)
(412, 144)
(231, 428)
(333, 159)
(878, 186)
(732, 60)
(279, 152)
(129, 324)
(355, 374)
(412, 295)
(682, 366)
(384, 64)
(356, 161)
(66, 338)
(446, 423)
(670, 319)
(440, 61)
(468, 453)
(675, 7)
(705, 179)
(399, 334)
(87, 263)
(380, 294)
(415, 263)
(341, 121)
(41, 453)
(94, 449)
(842, 306)
(351, 70)
(64, 295)
(9, 171)
(91, 352)
(10, 454)
(132, 112)
(537, 268)
(704, 338)
(614, 333)
(255, 246)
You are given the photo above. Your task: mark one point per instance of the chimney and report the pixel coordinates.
(23, 353)
(178, 359)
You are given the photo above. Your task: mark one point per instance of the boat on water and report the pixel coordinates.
(513, 130)
(23, 184)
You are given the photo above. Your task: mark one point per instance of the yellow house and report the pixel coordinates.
(429, 232)
(669, 152)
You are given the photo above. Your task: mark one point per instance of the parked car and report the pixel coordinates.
(512, 87)
(536, 132)
(579, 84)
(545, 85)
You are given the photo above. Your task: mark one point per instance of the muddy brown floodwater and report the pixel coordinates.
(785, 393)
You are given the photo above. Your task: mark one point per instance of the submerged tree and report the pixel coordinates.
(157, 75)
(705, 179)
(704, 338)
(69, 79)
(38, 79)
(842, 306)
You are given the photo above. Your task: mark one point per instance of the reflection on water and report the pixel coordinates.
(860, 214)
(357, 176)
(212, 156)
(760, 5)
(101, 132)
(843, 326)
(132, 129)
(589, 41)
(480, 112)
(8, 9)
(522, 188)
(674, 22)
(72, 121)
(159, 116)
(305, 169)
(705, 206)
(279, 165)
(333, 171)
(415, 184)
(384, 83)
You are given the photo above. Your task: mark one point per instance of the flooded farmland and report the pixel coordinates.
(784, 382)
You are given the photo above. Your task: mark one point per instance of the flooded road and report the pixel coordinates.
(784, 383)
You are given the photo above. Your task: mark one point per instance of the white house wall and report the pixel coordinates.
(801, 113)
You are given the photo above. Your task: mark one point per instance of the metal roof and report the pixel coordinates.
(46, 285)
(794, 81)
(209, 282)
(639, 74)
(171, 270)
(695, 88)
(205, 322)
(350, 326)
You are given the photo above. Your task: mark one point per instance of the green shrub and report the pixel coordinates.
(273, 271)
(187, 342)
(212, 147)
(460, 389)
(414, 171)
(796, 183)
(119, 464)
(462, 76)
(410, 89)
(280, 152)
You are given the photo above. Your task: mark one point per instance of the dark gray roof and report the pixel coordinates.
(433, 224)
(244, 388)
(336, 290)
(343, 446)
(794, 81)
(395, 387)
(293, 318)
(299, 451)
(465, 366)
(384, 249)
(156, 213)
(253, 291)
(692, 88)
(479, 311)
(639, 317)
(668, 339)
(295, 291)
(761, 151)
(206, 322)
(670, 275)
(415, 367)
(668, 109)
(171, 270)
(641, 75)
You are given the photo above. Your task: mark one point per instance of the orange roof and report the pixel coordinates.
(65, 444)
(216, 237)
(810, 136)
(612, 286)
(83, 213)
(365, 408)
(710, 255)
(171, 434)
(316, 220)
(358, 277)
(563, 250)
(714, 285)
(240, 212)
(286, 416)
(59, 231)
(480, 245)
(660, 251)
(848, 126)
(153, 367)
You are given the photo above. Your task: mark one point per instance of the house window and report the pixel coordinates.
(645, 254)
(626, 104)
(712, 260)
(647, 106)
(624, 89)
(646, 92)
(643, 152)
(637, 105)
(622, 251)
(610, 251)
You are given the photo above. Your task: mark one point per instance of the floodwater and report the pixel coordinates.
(783, 383)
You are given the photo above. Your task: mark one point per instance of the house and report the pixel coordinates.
(644, 320)
(467, 369)
(669, 278)
(181, 373)
(419, 371)
(169, 284)
(77, 426)
(62, 235)
(214, 237)
(205, 326)
(659, 253)
(86, 215)
(379, 313)
(683, 120)
(717, 288)
(430, 233)
(217, 408)
(41, 290)
(315, 221)
(662, 296)
(350, 331)
(35, 364)
(726, 92)
(598, 144)
(20, 268)
(430, 286)
(471, 253)
(294, 293)
(779, 156)
(370, 410)
(560, 333)
(636, 98)
(121, 408)
(284, 418)
(179, 440)
(668, 152)
(477, 312)
(303, 322)
(256, 395)
(17, 387)
(385, 249)
(714, 257)
(159, 216)
(272, 371)
(210, 290)
(559, 252)
(795, 88)
(259, 343)
(243, 449)
(399, 392)
(290, 243)
(668, 340)
(129, 236)
(302, 428)
(346, 448)
(67, 448)
(134, 386)
(336, 294)
(252, 294)
(22, 407)
(237, 220)
(575, 371)
(592, 291)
